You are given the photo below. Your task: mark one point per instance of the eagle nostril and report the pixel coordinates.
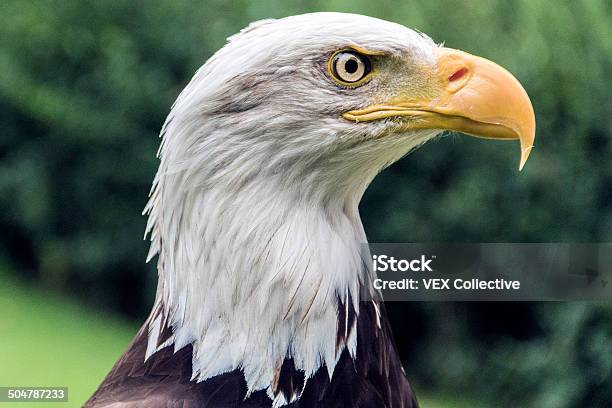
(458, 74)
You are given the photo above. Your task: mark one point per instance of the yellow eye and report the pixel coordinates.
(349, 67)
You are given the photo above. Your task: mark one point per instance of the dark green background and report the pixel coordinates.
(85, 87)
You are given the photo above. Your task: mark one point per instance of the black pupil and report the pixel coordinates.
(351, 66)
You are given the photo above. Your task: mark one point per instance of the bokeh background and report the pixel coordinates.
(85, 87)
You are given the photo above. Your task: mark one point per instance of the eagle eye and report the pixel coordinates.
(349, 67)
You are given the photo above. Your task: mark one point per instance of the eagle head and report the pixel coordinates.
(264, 158)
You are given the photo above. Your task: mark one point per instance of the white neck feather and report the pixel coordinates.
(255, 276)
(256, 280)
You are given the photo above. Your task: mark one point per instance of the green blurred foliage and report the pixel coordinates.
(48, 340)
(86, 85)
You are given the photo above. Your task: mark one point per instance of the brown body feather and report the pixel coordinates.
(373, 379)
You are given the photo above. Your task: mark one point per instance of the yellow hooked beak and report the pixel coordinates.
(475, 96)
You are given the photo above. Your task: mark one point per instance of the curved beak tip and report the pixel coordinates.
(524, 156)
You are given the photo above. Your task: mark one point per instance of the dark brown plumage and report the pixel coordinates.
(374, 379)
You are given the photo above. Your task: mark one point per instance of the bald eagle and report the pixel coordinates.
(254, 217)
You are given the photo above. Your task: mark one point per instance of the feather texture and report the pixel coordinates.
(373, 378)
(254, 217)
